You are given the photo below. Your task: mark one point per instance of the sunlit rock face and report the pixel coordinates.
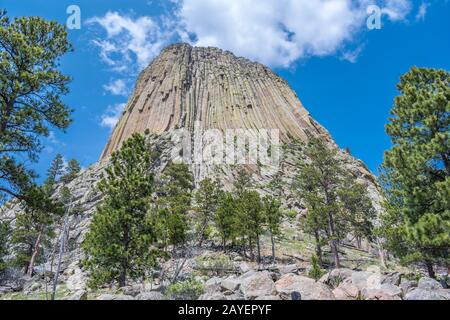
(186, 84)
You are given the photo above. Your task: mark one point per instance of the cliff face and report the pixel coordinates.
(186, 84)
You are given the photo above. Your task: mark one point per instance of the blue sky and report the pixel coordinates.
(344, 73)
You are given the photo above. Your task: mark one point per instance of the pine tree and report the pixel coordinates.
(207, 199)
(243, 182)
(225, 219)
(416, 170)
(273, 216)
(34, 227)
(318, 183)
(120, 243)
(71, 172)
(4, 235)
(251, 217)
(55, 171)
(30, 95)
(358, 210)
(174, 202)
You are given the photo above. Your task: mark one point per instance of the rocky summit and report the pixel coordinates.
(185, 87)
(185, 84)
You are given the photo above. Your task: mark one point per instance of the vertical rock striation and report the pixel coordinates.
(185, 84)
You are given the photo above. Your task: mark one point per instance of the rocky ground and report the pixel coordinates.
(215, 275)
(233, 279)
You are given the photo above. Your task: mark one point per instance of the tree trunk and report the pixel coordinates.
(34, 255)
(60, 255)
(123, 277)
(272, 239)
(333, 242)
(381, 253)
(318, 248)
(358, 242)
(250, 244)
(334, 249)
(430, 269)
(124, 264)
(202, 233)
(259, 248)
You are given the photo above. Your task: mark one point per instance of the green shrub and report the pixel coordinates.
(217, 264)
(412, 276)
(291, 214)
(186, 290)
(316, 272)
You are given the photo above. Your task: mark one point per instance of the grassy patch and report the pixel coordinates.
(61, 292)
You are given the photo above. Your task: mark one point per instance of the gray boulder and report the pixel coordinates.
(79, 295)
(291, 285)
(213, 296)
(114, 297)
(386, 291)
(426, 283)
(285, 269)
(407, 285)
(393, 278)
(364, 279)
(230, 284)
(213, 285)
(244, 267)
(346, 291)
(131, 290)
(336, 276)
(268, 298)
(422, 294)
(151, 295)
(256, 284)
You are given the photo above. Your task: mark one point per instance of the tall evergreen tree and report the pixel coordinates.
(55, 171)
(251, 218)
(4, 235)
(318, 183)
(243, 182)
(358, 210)
(207, 200)
(225, 218)
(416, 170)
(71, 172)
(120, 243)
(174, 202)
(273, 216)
(34, 227)
(31, 88)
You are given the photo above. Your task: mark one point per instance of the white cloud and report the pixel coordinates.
(352, 55)
(117, 87)
(422, 11)
(274, 32)
(396, 10)
(279, 32)
(112, 115)
(129, 42)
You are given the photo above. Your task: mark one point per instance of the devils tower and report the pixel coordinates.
(185, 84)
